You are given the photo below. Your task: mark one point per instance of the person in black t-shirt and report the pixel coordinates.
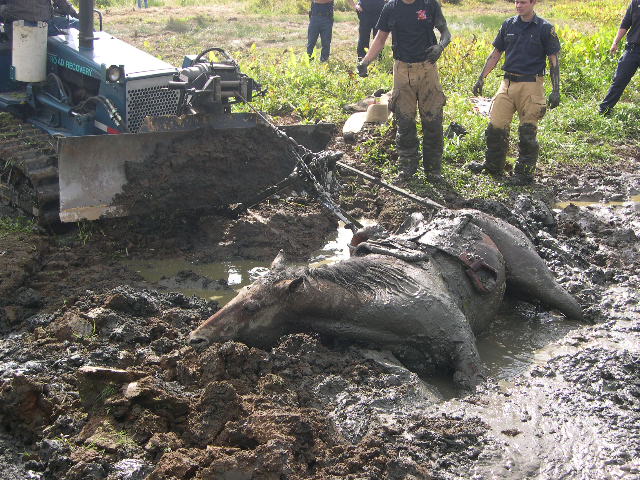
(630, 61)
(527, 41)
(415, 80)
(368, 14)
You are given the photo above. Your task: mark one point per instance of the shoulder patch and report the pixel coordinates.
(552, 32)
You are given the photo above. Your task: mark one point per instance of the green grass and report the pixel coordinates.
(16, 225)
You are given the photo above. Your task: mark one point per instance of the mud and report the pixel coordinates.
(97, 382)
(217, 167)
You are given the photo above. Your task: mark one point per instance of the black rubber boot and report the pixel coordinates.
(432, 147)
(529, 149)
(407, 148)
(496, 155)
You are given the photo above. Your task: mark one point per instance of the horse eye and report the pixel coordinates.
(251, 306)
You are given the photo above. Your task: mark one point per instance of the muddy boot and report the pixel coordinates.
(529, 148)
(496, 156)
(432, 146)
(407, 148)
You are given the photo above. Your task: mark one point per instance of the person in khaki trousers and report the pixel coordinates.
(416, 84)
(527, 41)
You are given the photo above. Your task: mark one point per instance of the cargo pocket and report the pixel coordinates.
(395, 93)
(536, 108)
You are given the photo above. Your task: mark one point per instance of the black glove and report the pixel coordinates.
(434, 52)
(554, 99)
(477, 88)
(362, 69)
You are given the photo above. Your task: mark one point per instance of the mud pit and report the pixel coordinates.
(96, 381)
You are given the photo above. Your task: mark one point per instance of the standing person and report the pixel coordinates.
(368, 13)
(320, 25)
(415, 80)
(146, 3)
(630, 61)
(527, 40)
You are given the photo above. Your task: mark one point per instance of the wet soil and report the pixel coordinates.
(97, 382)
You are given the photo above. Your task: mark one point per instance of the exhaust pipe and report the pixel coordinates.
(86, 24)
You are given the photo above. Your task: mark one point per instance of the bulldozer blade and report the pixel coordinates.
(133, 174)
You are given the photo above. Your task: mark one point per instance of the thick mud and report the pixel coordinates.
(216, 167)
(97, 381)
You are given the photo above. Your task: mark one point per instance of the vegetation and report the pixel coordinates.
(16, 225)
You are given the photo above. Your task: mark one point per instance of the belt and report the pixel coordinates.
(521, 78)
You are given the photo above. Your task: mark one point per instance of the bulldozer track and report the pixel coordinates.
(29, 171)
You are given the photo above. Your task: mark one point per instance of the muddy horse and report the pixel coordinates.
(422, 293)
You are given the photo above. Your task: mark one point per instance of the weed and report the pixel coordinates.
(16, 225)
(177, 25)
(85, 231)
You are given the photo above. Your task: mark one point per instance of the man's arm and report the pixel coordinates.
(554, 69)
(614, 46)
(490, 64)
(434, 52)
(375, 49)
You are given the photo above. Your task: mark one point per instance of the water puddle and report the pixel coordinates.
(221, 281)
(588, 203)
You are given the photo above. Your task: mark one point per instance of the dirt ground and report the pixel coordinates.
(97, 381)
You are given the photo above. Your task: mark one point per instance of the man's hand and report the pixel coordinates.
(434, 52)
(554, 99)
(362, 69)
(477, 88)
(359, 8)
(614, 48)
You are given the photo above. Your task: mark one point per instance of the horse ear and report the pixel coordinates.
(279, 262)
(295, 283)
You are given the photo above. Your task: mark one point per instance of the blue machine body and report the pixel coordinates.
(140, 92)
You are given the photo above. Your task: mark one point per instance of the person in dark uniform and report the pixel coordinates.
(368, 14)
(320, 25)
(415, 80)
(527, 41)
(630, 60)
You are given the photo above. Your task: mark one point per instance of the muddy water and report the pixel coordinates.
(587, 203)
(235, 274)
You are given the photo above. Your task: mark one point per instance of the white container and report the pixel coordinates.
(29, 53)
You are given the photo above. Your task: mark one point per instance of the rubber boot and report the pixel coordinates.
(432, 147)
(407, 148)
(529, 149)
(496, 155)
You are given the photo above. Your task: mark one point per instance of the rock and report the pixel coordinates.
(105, 374)
(72, 327)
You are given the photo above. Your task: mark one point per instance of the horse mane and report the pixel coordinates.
(366, 274)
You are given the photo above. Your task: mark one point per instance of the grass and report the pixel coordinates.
(16, 225)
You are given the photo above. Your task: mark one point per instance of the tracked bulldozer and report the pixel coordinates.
(96, 128)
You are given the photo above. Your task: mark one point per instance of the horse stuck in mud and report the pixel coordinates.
(422, 293)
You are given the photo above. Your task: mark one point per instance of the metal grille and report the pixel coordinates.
(149, 97)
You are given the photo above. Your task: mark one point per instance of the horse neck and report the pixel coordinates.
(325, 296)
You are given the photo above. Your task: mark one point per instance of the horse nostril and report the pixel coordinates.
(198, 341)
